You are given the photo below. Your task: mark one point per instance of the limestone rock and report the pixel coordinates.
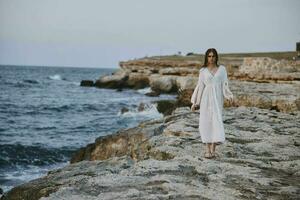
(267, 70)
(186, 83)
(259, 160)
(137, 81)
(166, 84)
(117, 80)
(178, 71)
(283, 97)
(119, 144)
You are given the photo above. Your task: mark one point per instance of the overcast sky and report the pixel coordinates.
(98, 33)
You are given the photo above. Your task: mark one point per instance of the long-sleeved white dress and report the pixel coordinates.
(209, 95)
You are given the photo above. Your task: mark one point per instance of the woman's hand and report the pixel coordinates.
(234, 102)
(194, 107)
(231, 101)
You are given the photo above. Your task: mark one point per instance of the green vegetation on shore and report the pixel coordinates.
(288, 55)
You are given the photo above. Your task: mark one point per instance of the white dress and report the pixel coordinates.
(209, 95)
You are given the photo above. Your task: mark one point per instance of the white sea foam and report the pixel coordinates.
(150, 111)
(144, 90)
(23, 175)
(75, 83)
(55, 77)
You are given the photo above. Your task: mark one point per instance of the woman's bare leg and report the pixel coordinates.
(208, 147)
(208, 151)
(213, 149)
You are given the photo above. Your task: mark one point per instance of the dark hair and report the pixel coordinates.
(206, 56)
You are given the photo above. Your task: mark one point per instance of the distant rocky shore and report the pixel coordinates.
(262, 82)
(163, 158)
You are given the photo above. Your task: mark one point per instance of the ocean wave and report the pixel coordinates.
(144, 90)
(75, 107)
(16, 154)
(21, 85)
(10, 108)
(56, 77)
(44, 128)
(7, 82)
(58, 108)
(149, 110)
(75, 83)
(20, 174)
(93, 107)
(30, 81)
(24, 84)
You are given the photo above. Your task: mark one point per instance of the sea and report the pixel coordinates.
(46, 116)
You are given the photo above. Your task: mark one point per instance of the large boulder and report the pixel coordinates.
(118, 80)
(166, 106)
(165, 84)
(137, 80)
(186, 82)
(123, 142)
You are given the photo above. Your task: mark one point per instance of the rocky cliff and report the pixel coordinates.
(163, 159)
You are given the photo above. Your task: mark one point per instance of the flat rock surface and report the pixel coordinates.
(284, 97)
(259, 160)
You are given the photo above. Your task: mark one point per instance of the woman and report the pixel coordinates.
(209, 94)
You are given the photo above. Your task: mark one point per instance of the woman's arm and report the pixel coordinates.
(197, 94)
(225, 85)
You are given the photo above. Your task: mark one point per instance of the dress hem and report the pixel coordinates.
(217, 142)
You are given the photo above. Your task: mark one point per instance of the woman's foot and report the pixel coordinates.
(207, 155)
(214, 154)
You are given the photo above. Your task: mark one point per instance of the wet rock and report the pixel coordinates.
(87, 83)
(124, 110)
(153, 94)
(141, 107)
(166, 106)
